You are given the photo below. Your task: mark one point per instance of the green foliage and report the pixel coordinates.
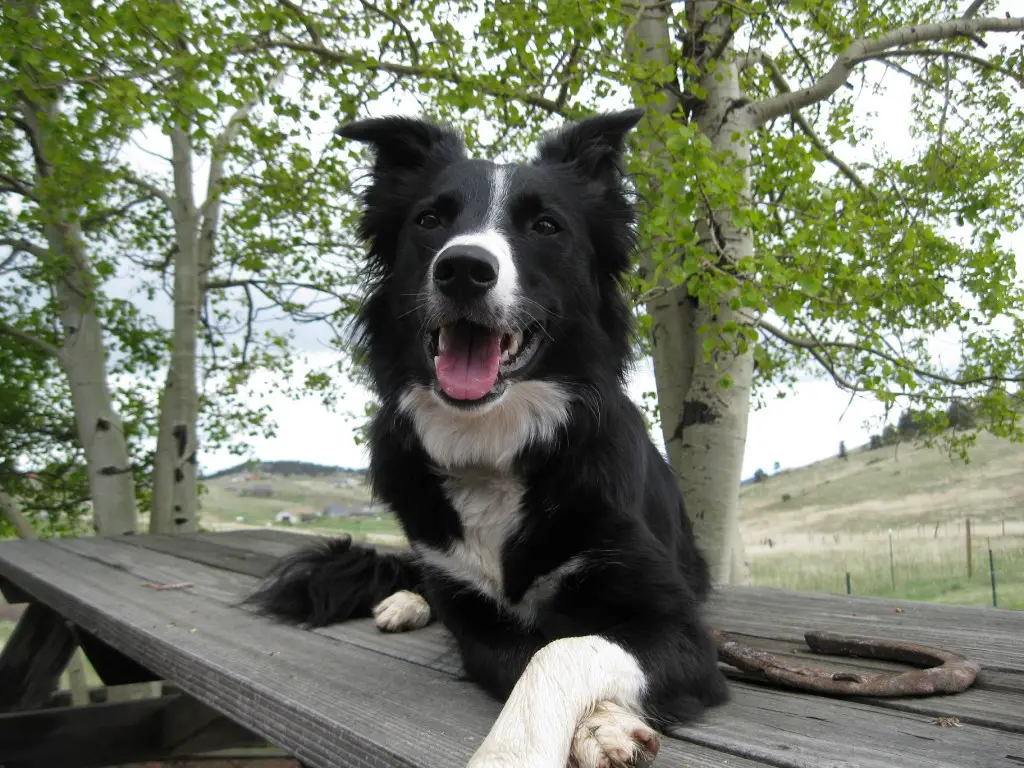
(861, 256)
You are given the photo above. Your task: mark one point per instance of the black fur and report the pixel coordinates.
(600, 491)
(332, 581)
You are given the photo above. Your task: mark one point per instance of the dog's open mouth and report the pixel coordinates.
(471, 361)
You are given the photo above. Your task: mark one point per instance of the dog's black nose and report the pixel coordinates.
(465, 272)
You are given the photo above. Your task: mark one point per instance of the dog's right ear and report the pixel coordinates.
(404, 143)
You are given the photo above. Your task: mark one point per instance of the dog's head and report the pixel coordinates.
(488, 275)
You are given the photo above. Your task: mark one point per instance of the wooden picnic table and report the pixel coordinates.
(349, 695)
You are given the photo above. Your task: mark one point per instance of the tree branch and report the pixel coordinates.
(972, 11)
(32, 340)
(101, 217)
(150, 188)
(762, 111)
(957, 55)
(17, 245)
(406, 70)
(797, 116)
(815, 346)
(12, 511)
(16, 185)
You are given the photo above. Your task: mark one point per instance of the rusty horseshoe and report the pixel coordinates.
(943, 672)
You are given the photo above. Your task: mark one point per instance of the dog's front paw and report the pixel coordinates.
(613, 737)
(401, 612)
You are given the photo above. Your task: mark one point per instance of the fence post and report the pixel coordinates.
(892, 562)
(970, 561)
(992, 574)
(849, 591)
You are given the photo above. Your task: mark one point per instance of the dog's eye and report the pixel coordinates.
(428, 220)
(546, 226)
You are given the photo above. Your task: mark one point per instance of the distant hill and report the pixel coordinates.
(306, 468)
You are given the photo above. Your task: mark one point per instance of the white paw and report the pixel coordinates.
(401, 612)
(613, 737)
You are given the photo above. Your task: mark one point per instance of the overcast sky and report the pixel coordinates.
(805, 426)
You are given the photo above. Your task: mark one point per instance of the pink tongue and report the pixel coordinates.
(468, 367)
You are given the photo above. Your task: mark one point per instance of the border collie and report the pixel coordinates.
(547, 531)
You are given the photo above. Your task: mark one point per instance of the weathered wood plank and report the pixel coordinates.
(802, 731)
(431, 648)
(275, 543)
(206, 551)
(327, 702)
(991, 637)
(33, 659)
(428, 646)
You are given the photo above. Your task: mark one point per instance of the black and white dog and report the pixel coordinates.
(547, 531)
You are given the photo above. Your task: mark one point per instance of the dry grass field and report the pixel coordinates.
(806, 528)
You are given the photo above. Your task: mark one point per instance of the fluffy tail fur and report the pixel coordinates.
(332, 581)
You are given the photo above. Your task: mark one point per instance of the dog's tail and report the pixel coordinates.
(332, 581)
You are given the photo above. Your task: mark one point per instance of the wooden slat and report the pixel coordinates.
(733, 728)
(207, 552)
(327, 702)
(33, 659)
(809, 732)
(989, 636)
(431, 647)
(275, 543)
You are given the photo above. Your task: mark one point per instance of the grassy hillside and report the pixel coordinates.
(806, 528)
(228, 497)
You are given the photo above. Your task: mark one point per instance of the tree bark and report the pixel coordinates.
(100, 427)
(82, 354)
(704, 425)
(175, 476)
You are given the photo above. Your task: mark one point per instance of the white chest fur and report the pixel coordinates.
(489, 506)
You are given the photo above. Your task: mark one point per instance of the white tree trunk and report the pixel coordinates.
(99, 426)
(175, 476)
(83, 357)
(704, 425)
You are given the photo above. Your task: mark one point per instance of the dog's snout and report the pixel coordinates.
(465, 272)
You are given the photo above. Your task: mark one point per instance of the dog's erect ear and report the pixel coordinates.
(404, 142)
(592, 146)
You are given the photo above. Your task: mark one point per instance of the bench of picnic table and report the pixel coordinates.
(147, 608)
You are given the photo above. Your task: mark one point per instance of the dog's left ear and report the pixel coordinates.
(593, 146)
(404, 143)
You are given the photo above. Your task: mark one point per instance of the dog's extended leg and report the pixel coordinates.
(565, 683)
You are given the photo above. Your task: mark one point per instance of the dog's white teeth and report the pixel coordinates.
(505, 356)
(515, 340)
(442, 338)
(437, 359)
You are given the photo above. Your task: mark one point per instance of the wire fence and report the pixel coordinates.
(963, 562)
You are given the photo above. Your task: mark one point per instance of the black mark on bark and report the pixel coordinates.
(694, 412)
(180, 434)
(102, 424)
(108, 471)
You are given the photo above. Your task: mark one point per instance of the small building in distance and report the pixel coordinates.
(259, 490)
(296, 515)
(336, 509)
